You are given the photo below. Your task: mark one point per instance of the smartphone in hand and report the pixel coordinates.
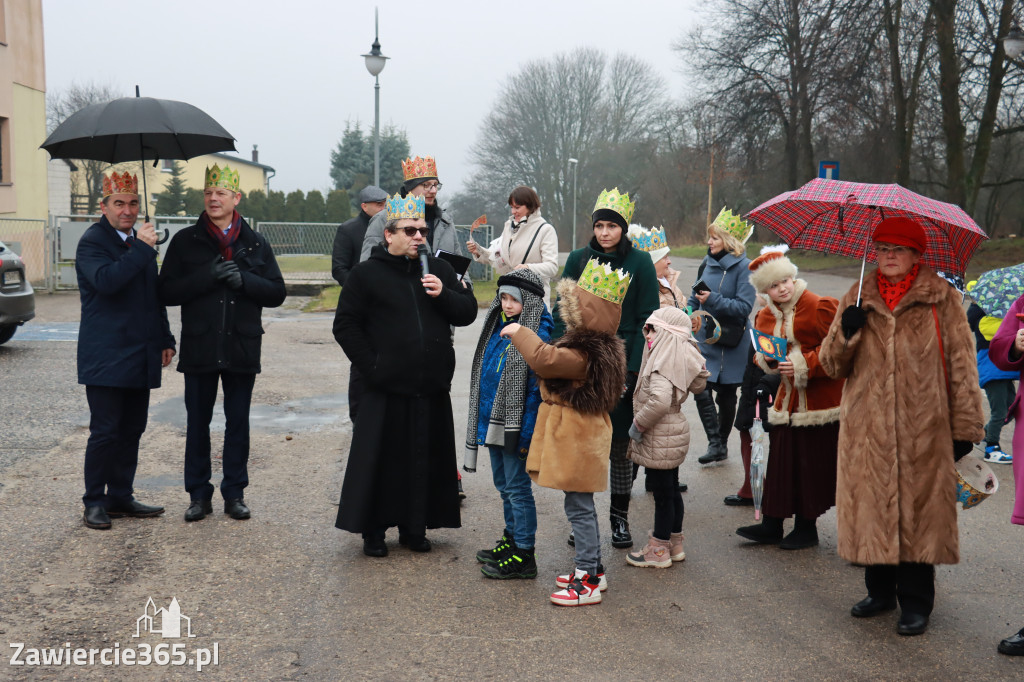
(700, 287)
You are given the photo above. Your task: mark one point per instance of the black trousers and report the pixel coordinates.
(912, 584)
(668, 501)
(117, 420)
(200, 396)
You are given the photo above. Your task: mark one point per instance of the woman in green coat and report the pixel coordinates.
(610, 244)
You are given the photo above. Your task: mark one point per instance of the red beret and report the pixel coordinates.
(902, 232)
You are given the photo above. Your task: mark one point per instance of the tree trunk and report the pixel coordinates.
(949, 93)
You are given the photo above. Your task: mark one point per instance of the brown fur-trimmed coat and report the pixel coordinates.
(581, 377)
(895, 491)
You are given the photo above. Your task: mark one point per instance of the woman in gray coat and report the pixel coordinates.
(724, 291)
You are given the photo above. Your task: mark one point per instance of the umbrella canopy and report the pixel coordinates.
(838, 217)
(138, 129)
(997, 289)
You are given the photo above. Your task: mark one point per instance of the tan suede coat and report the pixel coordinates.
(895, 491)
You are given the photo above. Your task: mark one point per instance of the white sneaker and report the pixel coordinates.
(566, 579)
(995, 454)
(585, 589)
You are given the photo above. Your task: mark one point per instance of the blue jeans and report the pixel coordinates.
(516, 489)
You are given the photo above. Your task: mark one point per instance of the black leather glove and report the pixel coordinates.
(630, 387)
(227, 271)
(852, 320)
(961, 448)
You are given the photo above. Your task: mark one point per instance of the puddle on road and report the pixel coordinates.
(294, 416)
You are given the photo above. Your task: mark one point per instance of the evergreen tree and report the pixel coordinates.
(172, 200)
(256, 206)
(352, 159)
(193, 202)
(275, 206)
(339, 206)
(295, 207)
(315, 208)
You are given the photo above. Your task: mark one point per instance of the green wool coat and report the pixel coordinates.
(642, 299)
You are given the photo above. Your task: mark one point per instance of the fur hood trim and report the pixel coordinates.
(606, 371)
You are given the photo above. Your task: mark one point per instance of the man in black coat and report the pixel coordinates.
(393, 322)
(347, 243)
(123, 343)
(222, 274)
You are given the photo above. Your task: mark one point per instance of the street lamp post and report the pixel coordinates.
(1013, 43)
(375, 64)
(574, 163)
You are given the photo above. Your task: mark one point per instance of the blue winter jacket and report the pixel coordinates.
(731, 300)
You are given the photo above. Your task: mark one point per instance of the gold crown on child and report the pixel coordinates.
(604, 281)
(409, 207)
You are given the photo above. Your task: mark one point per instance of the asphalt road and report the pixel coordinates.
(286, 596)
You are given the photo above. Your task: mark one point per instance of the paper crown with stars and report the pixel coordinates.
(221, 177)
(613, 201)
(419, 168)
(120, 183)
(604, 281)
(732, 223)
(409, 207)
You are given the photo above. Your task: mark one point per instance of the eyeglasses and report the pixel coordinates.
(436, 186)
(882, 250)
(411, 231)
(648, 329)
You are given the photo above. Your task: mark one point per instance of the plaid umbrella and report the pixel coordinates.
(997, 289)
(838, 217)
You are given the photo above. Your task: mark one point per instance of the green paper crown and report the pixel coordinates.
(221, 177)
(603, 281)
(619, 203)
(730, 222)
(408, 207)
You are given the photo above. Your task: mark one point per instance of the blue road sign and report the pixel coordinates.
(829, 170)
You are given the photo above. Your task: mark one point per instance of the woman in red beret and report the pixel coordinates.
(910, 406)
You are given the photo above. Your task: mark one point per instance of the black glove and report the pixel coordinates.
(227, 272)
(961, 448)
(630, 387)
(853, 319)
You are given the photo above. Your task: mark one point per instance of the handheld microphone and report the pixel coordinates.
(421, 250)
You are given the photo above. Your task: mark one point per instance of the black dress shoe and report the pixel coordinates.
(683, 487)
(1013, 645)
(417, 543)
(374, 546)
(133, 508)
(768, 532)
(912, 624)
(737, 501)
(872, 606)
(198, 510)
(236, 508)
(96, 517)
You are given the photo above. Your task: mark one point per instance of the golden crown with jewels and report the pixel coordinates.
(647, 240)
(419, 168)
(620, 203)
(221, 177)
(604, 281)
(409, 207)
(120, 183)
(730, 222)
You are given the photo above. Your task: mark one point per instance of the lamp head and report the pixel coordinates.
(1013, 43)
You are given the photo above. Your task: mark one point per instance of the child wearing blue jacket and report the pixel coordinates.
(503, 403)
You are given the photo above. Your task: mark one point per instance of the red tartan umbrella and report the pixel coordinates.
(838, 217)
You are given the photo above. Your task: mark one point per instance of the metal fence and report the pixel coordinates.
(303, 250)
(27, 238)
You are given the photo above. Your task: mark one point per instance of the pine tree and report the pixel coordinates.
(172, 200)
(339, 206)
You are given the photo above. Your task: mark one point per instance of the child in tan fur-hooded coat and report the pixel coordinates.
(581, 379)
(801, 475)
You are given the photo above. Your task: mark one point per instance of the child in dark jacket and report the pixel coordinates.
(758, 388)
(503, 402)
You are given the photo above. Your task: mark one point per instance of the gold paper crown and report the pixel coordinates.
(409, 207)
(603, 281)
(221, 177)
(619, 203)
(120, 183)
(647, 240)
(730, 222)
(419, 168)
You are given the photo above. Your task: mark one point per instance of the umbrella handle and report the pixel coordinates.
(863, 263)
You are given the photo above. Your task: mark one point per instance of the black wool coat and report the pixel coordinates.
(401, 468)
(221, 328)
(348, 242)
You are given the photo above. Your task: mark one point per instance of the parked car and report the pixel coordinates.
(17, 299)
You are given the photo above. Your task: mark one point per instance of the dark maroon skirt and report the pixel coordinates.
(801, 476)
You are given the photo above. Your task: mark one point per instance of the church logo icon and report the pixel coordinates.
(168, 623)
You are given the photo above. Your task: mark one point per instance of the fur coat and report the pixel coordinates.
(581, 378)
(896, 486)
(811, 397)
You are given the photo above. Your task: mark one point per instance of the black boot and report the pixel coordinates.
(709, 419)
(768, 532)
(619, 517)
(804, 535)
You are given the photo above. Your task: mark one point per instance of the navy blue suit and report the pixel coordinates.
(121, 337)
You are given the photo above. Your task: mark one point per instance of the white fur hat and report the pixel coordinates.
(771, 266)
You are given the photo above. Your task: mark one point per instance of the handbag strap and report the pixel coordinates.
(942, 354)
(530, 247)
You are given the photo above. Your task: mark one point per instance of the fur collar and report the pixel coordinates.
(606, 372)
(799, 287)
(928, 289)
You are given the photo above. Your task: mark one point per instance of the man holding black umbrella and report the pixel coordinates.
(123, 342)
(222, 274)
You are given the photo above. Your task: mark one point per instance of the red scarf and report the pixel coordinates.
(891, 293)
(225, 240)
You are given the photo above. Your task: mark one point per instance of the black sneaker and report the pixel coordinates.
(501, 550)
(519, 563)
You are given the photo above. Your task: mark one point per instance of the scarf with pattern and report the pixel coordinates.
(225, 240)
(891, 293)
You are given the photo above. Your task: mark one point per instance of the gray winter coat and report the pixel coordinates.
(445, 237)
(731, 300)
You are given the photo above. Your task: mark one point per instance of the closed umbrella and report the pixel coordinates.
(758, 460)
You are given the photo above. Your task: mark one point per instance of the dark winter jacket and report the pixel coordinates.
(221, 328)
(348, 241)
(754, 381)
(396, 335)
(123, 329)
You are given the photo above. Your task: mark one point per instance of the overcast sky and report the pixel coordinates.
(287, 74)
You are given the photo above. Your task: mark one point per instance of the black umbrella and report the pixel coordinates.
(138, 129)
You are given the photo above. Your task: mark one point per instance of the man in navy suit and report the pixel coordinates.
(124, 341)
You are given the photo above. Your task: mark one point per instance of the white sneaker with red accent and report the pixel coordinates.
(565, 579)
(583, 590)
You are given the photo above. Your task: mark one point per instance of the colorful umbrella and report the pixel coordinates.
(838, 217)
(997, 289)
(758, 460)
